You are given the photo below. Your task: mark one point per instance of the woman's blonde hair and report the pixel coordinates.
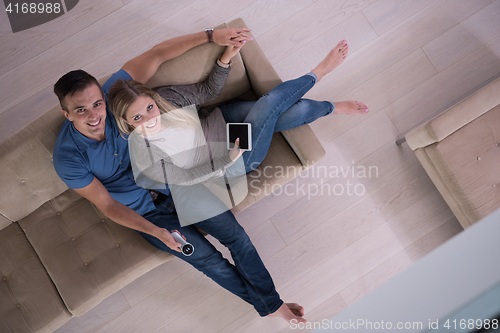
(125, 92)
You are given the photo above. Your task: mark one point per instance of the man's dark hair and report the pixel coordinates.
(71, 82)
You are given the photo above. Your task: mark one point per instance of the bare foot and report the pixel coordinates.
(350, 107)
(333, 60)
(289, 311)
(296, 309)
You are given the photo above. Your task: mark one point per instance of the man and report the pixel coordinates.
(92, 158)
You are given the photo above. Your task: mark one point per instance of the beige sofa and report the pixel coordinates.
(59, 256)
(460, 151)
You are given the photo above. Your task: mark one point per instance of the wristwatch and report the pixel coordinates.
(210, 34)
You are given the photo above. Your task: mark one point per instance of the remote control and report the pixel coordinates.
(186, 248)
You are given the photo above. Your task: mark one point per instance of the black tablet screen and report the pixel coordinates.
(239, 131)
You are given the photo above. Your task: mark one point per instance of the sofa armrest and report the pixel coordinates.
(260, 72)
(455, 117)
(305, 144)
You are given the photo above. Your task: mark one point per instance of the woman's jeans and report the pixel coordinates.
(280, 109)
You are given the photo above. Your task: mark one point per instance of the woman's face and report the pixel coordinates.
(144, 116)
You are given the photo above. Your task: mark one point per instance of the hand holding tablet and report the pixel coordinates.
(243, 131)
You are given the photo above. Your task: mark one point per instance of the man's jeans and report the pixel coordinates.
(249, 280)
(280, 109)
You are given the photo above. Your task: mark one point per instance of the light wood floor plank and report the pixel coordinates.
(340, 270)
(332, 233)
(165, 305)
(379, 91)
(336, 194)
(321, 16)
(4, 22)
(22, 46)
(396, 44)
(356, 30)
(428, 98)
(395, 81)
(266, 240)
(26, 112)
(386, 14)
(389, 160)
(465, 37)
(400, 261)
(108, 309)
(263, 15)
(316, 316)
(219, 310)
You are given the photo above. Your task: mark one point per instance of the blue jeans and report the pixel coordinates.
(248, 279)
(280, 109)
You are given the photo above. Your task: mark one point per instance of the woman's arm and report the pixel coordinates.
(201, 92)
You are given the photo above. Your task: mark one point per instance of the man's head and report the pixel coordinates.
(82, 102)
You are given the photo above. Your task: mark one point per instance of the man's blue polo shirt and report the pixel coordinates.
(78, 159)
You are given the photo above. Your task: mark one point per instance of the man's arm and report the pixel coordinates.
(143, 67)
(96, 193)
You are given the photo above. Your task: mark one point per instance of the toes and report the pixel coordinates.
(342, 45)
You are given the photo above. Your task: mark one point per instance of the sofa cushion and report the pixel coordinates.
(88, 256)
(468, 160)
(29, 300)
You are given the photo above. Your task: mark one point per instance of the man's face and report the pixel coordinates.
(87, 111)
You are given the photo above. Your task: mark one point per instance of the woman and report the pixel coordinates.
(186, 148)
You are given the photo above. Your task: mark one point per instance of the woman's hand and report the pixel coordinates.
(235, 153)
(230, 52)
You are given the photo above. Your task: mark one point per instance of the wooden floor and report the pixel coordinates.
(330, 238)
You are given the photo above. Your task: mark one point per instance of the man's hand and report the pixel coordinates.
(231, 36)
(166, 237)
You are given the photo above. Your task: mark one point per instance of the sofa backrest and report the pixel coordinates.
(28, 178)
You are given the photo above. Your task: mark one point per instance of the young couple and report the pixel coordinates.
(92, 155)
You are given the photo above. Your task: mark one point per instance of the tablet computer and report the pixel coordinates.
(242, 131)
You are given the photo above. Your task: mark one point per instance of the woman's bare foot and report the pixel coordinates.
(289, 311)
(333, 60)
(350, 107)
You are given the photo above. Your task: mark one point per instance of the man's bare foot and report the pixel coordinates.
(333, 60)
(289, 311)
(350, 107)
(296, 309)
